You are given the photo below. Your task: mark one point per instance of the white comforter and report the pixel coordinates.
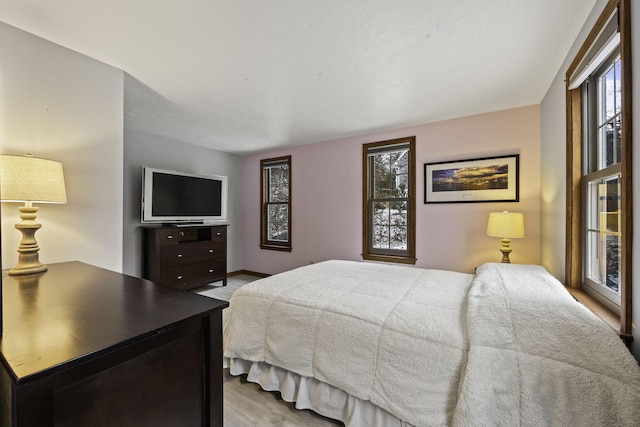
(433, 349)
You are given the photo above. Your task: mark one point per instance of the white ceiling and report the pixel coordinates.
(253, 75)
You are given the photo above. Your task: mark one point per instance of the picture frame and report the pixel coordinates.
(487, 179)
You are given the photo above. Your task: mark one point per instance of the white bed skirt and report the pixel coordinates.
(309, 393)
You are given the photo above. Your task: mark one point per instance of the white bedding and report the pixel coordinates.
(432, 349)
(538, 357)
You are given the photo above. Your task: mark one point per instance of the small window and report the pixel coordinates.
(389, 201)
(276, 203)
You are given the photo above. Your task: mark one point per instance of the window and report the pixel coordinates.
(389, 201)
(602, 180)
(276, 203)
(599, 197)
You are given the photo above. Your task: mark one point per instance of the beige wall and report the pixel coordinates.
(327, 195)
(58, 104)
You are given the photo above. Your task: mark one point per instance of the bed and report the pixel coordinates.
(382, 345)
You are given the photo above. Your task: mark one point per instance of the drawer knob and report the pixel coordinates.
(179, 277)
(170, 236)
(210, 251)
(179, 255)
(218, 234)
(210, 271)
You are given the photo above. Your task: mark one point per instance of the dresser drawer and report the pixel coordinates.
(168, 236)
(174, 235)
(194, 275)
(187, 256)
(219, 234)
(190, 253)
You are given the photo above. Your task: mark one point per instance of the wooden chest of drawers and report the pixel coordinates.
(185, 257)
(83, 346)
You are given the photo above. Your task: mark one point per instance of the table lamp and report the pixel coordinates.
(30, 180)
(507, 226)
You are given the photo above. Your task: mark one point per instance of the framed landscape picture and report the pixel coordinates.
(490, 179)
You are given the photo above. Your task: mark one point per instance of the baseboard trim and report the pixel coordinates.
(250, 273)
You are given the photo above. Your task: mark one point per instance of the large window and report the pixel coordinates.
(276, 203)
(602, 178)
(599, 196)
(389, 201)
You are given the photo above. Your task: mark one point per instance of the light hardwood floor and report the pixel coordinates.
(216, 290)
(245, 403)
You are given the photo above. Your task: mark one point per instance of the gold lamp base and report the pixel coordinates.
(506, 250)
(28, 262)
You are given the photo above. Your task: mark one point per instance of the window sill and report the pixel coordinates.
(276, 247)
(597, 308)
(389, 258)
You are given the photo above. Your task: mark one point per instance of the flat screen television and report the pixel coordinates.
(174, 197)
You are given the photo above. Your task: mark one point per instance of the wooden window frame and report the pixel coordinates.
(367, 254)
(265, 243)
(575, 161)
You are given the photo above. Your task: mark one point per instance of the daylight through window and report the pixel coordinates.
(599, 165)
(389, 200)
(602, 177)
(276, 203)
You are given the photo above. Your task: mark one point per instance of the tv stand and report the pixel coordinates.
(185, 257)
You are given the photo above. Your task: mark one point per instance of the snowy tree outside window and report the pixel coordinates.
(276, 201)
(390, 198)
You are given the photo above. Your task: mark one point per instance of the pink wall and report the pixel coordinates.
(327, 196)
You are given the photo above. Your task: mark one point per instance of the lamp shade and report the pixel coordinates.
(30, 179)
(506, 225)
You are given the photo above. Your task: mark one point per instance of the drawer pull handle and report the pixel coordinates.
(218, 234)
(179, 255)
(179, 277)
(210, 251)
(169, 236)
(210, 271)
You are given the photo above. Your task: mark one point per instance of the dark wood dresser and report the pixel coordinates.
(84, 346)
(185, 257)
